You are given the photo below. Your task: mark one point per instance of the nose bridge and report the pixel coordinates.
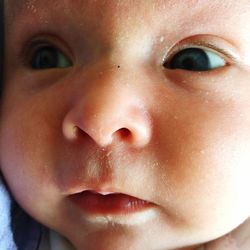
(108, 101)
(113, 107)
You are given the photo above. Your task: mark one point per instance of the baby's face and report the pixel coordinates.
(149, 99)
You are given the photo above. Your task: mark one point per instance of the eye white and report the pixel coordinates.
(215, 60)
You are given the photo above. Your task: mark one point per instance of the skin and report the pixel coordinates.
(118, 120)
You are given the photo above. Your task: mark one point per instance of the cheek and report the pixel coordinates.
(28, 168)
(25, 144)
(206, 154)
(19, 159)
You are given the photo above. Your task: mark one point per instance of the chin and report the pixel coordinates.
(113, 240)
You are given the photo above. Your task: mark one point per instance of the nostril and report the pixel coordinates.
(124, 134)
(106, 127)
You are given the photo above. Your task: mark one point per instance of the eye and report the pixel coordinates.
(48, 57)
(195, 59)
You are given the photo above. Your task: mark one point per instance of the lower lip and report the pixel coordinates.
(111, 204)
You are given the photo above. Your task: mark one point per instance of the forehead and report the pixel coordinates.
(127, 8)
(121, 18)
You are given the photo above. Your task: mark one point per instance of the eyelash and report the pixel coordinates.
(32, 47)
(203, 45)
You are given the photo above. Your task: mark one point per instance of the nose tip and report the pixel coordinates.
(110, 109)
(132, 127)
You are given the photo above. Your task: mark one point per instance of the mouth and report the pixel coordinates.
(109, 203)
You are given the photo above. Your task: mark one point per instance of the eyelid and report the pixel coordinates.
(229, 56)
(215, 48)
(41, 41)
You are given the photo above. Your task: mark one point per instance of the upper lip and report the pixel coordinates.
(110, 191)
(101, 192)
(107, 185)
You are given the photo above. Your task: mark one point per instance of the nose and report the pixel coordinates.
(109, 111)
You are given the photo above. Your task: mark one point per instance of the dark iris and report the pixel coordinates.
(190, 59)
(49, 57)
(44, 58)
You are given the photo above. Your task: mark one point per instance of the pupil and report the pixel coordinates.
(190, 59)
(45, 58)
(188, 63)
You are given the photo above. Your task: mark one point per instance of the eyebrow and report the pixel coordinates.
(16, 7)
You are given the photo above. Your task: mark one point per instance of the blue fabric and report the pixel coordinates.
(18, 231)
(6, 235)
(27, 232)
